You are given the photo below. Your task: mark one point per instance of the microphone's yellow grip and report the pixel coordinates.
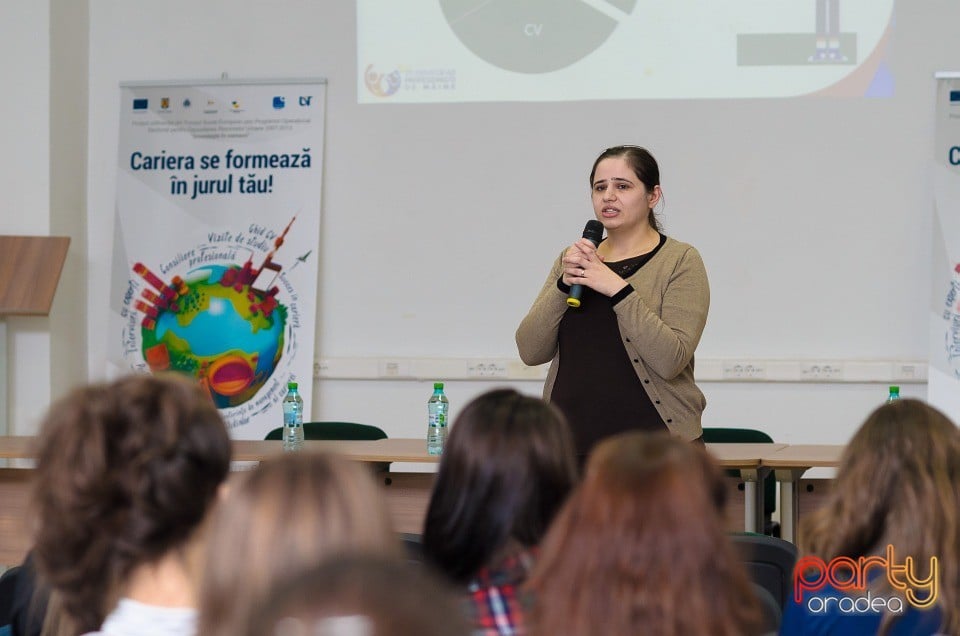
(573, 302)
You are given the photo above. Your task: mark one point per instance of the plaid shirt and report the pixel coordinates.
(494, 598)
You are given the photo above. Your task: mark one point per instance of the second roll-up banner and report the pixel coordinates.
(943, 379)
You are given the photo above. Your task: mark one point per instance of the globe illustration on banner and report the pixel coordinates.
(221, 324)
(212, 333)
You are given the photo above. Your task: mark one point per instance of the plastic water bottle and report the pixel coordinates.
(894, 394)
(438, 407)
(292, 419)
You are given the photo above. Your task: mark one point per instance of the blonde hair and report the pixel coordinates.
(287, 515)
(899, 484)
(361, 595)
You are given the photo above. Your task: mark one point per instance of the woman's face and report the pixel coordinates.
(620, 200)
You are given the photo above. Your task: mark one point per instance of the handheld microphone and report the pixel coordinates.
(593, 232)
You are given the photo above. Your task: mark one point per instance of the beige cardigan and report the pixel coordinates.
(660, 322)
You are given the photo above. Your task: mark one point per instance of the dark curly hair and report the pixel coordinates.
(125, 473)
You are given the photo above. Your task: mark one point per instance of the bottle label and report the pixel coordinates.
(437, 417)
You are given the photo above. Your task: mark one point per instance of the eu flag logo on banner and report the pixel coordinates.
(140, 104)
(954, 97)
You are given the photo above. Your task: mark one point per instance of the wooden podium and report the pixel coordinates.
(30, 268)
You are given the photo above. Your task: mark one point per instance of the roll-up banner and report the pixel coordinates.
(944, 373)
(214, 270)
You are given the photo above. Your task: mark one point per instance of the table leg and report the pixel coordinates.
(789, 480)
(753, 498)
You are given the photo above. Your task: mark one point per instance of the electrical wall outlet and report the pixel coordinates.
(395, 368)
(486, 369)
(821, 371)
(743, 370)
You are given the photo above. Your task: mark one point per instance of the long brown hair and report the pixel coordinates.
(506, 469)
(125, 473)
(898, 484)
(640, 548)
(284, 516)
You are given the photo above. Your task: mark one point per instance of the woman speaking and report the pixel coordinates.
(623, 359)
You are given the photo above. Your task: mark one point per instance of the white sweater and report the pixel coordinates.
(133, 618)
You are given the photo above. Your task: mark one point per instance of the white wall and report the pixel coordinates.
(69, 26)
(813, 215)
(42, 174)
(24, 181)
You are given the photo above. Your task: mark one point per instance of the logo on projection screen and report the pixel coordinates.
(537, 36)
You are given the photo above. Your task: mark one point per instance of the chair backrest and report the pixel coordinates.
(735, 436)
(339, 431)
(770, 610)
(8, 586)
(24, 598)
(412, 546)
(769, 561)
(334, 430)
(746, 436)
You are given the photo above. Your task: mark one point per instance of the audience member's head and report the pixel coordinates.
(898, 484)
(125, 475)
(507, 467)
(284, 516)
(640, 548)
(359, 595)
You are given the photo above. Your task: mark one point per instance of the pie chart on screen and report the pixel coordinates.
(534, 36)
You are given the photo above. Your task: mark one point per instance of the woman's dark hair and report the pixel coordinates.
(643, 165)
(125, 473)
(507, 467)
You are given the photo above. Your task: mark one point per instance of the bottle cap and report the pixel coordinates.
(894, 389)
(437, 385)
(292, 386)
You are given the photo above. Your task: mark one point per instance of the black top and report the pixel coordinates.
(597, 387)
